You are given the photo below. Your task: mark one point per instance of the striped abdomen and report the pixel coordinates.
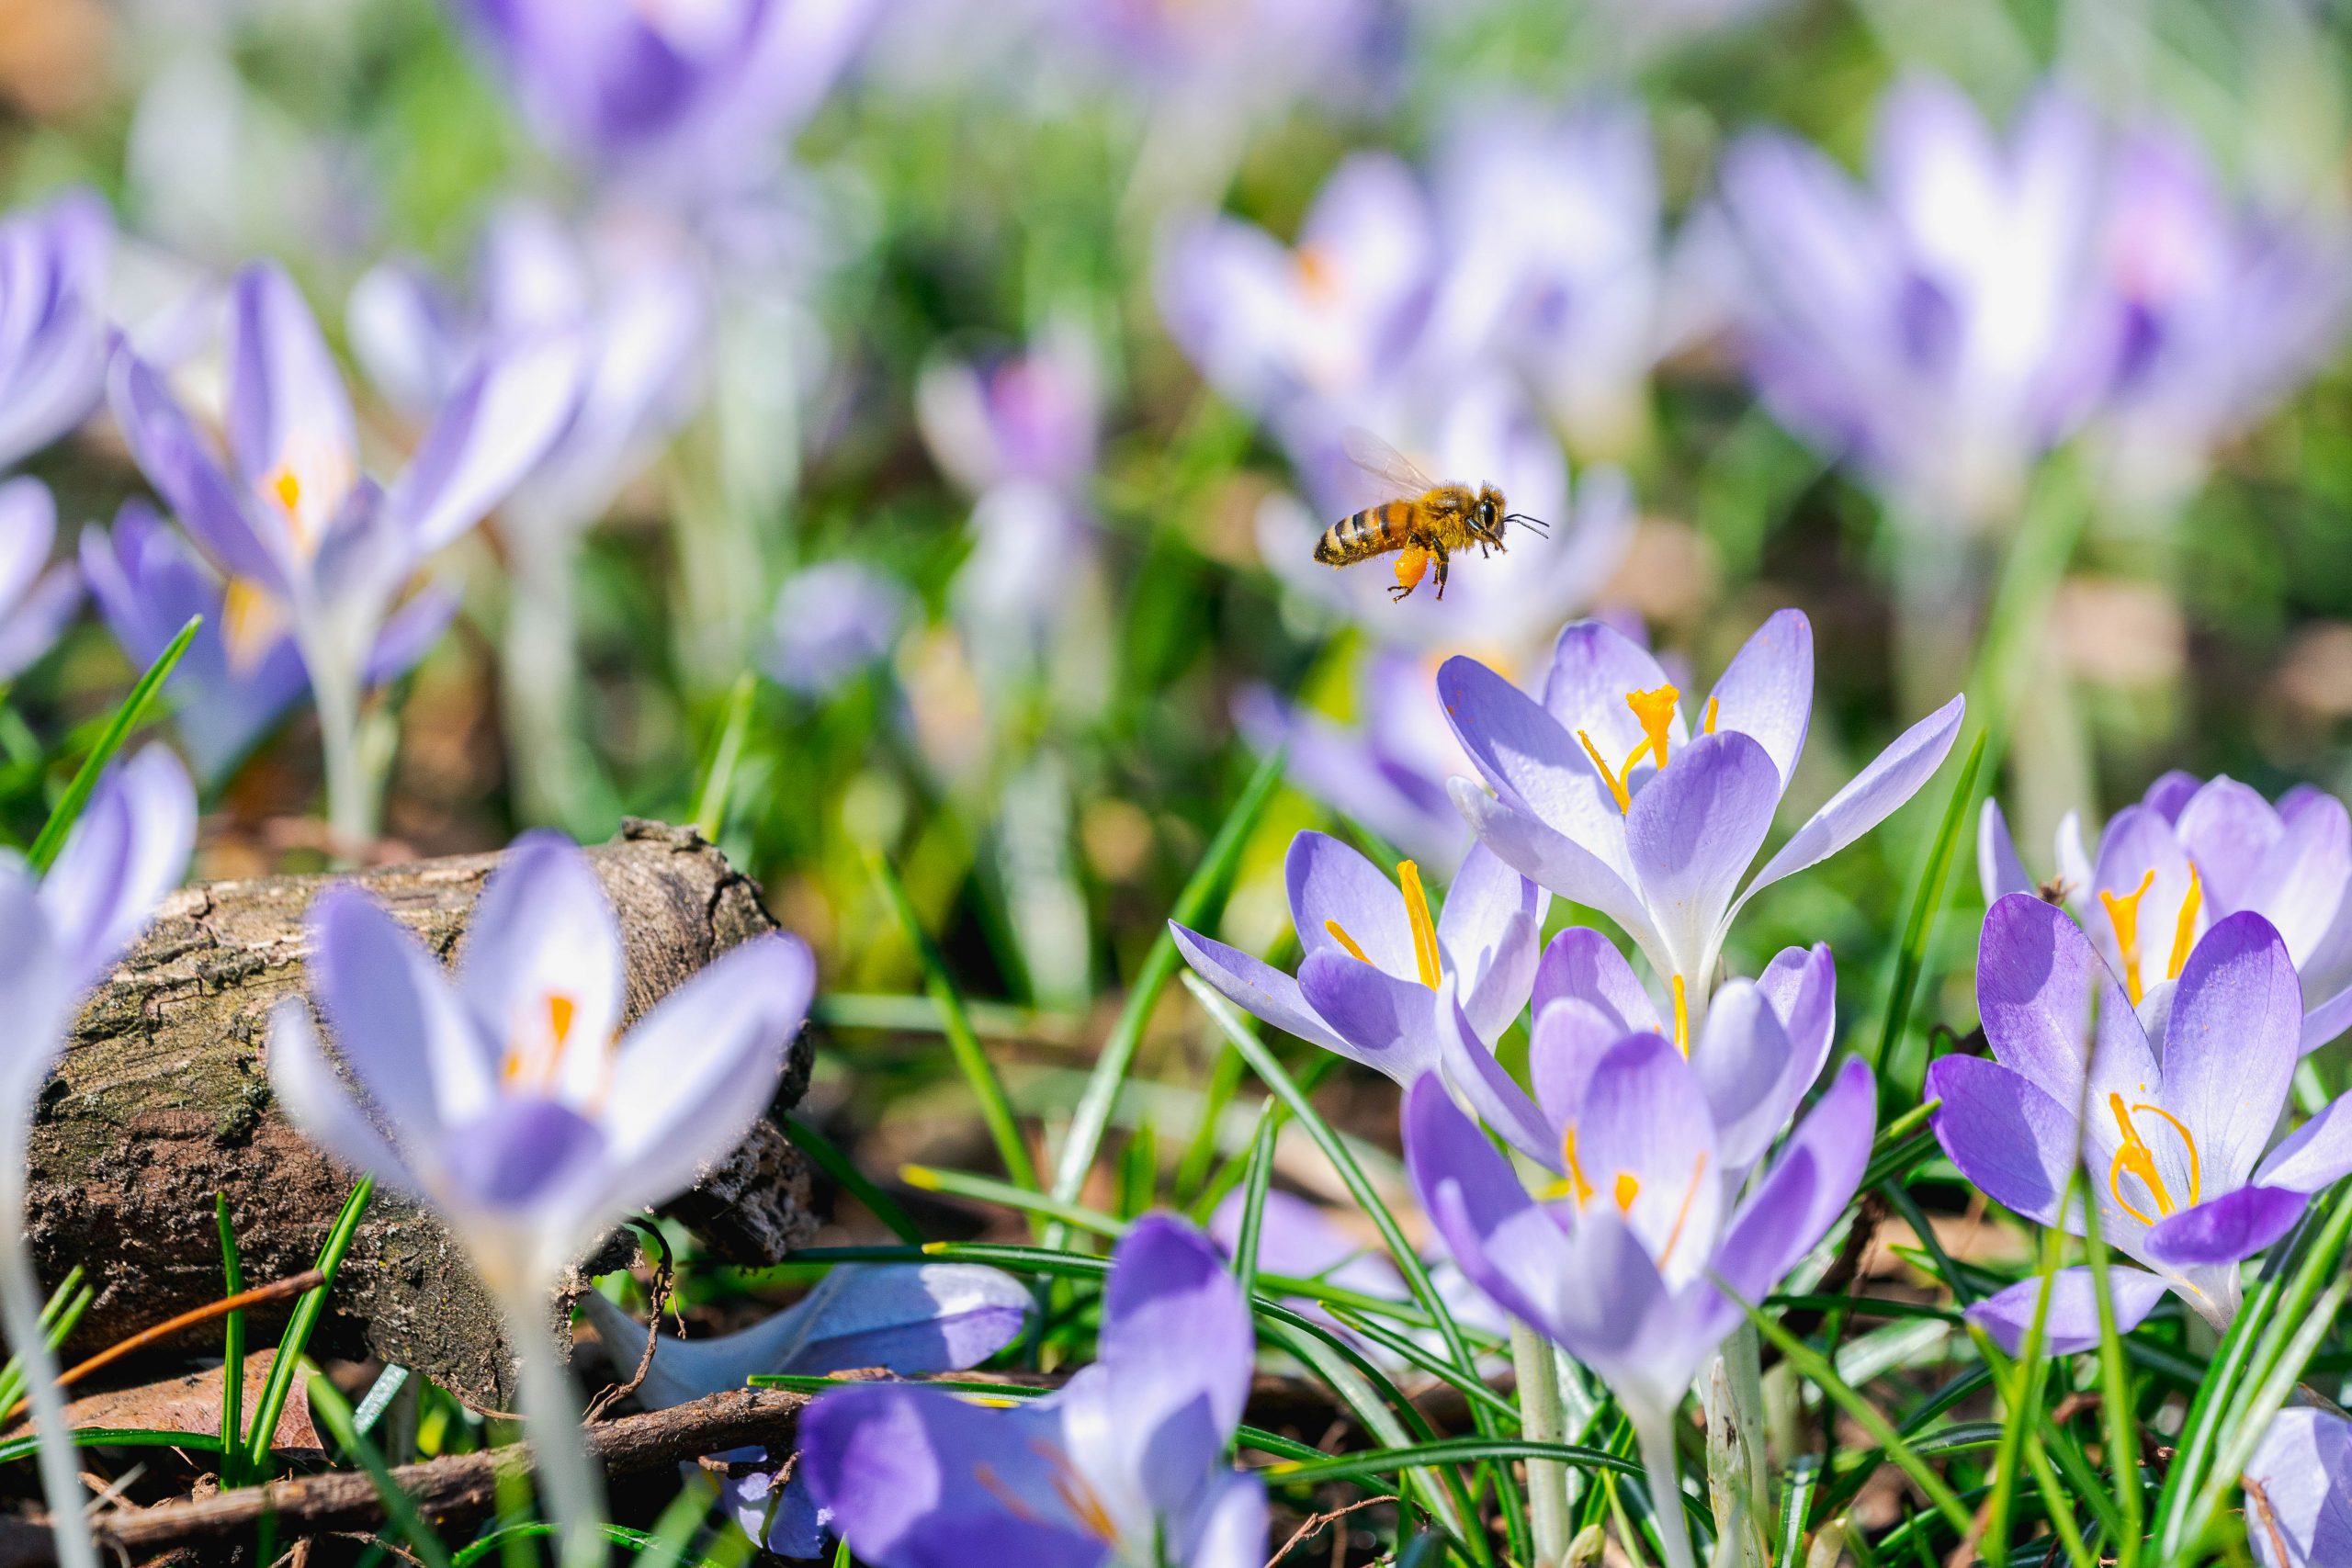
(1376, 530)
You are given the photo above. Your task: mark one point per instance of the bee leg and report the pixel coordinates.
(1410, 565)
(1441, 564)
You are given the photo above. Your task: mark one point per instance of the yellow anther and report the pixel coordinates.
(250, 622)
(1627, 1188)
(1682, 1214)
(1317, 278)
(2189, 1144)
(1416, 911)
(2135, 1156)
(1340, 935)
(1616, 785)
(1078, 1495)
(561, 1009)
(287, 486)
(1714, 706)
(1655, 710)
(2184, 931)
(1578, 1188)
(1681, 1017)
(2123, 914)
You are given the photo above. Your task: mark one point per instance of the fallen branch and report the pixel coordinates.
(457, 1489)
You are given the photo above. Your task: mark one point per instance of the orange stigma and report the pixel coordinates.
(2123, 914)
(2134, 1157)
(1654, 711)
(2184, 931)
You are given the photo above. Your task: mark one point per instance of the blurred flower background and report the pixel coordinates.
(916, 416)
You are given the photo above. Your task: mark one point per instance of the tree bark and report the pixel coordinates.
(163, 1100)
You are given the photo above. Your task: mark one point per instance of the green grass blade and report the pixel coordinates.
(996, 1110)
(846, 1175)
(334, 1413)
(26, 1447)
(59, 1317)
(1927, 901)
(1092, 1116)
(68, 809)
(233, 1365)
(1462, 1450)
(1200, 1154)
(297, 1338)
(2116, 1414)
(538, 1529)
(1253, 1201)
(727, 754)
(1004, 1194)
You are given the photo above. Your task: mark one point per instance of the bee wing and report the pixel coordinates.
(1385, 473)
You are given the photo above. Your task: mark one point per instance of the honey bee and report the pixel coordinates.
(1417, 519)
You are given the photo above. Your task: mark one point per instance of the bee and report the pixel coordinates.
(1417, 519)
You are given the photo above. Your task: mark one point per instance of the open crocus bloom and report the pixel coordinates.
(2299, 1492)
(2188, 855)
(510, 1099)
(1602, 796)
(1123, 1465)
(912, 1318)
(1031, 417)
(52, 320)
(1621, 1268)
(35, 604)
(1764, 1043)
(2170, 1131)
(1384, 985)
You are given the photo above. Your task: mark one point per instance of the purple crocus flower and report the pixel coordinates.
(1944, 325)
(2299, 1492)
(830, 621)
(148, 583)
(668, 98)
(1123, 1464)
(1029, 418)
(2189, 854)
(1384, 985)
(914, 1319)
(37, 600)
(52, 320)
(310, 545)
(510, 1100)
(1628, 1266)
(2171, 1125)
(1602, 796)
(61, 933)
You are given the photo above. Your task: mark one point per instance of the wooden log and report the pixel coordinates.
(163, 1100)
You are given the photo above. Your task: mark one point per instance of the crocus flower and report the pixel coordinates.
(310, 544)
(61, 933)
(2188, 855)
(148, 583)
(2171, 1129)
(2299, 1491)
(36, 599)
(668, 98)
(1627, 1268)
(830, 621)
(1384, 985)
(1032, 417)
(1122, 1465)
(913, 1319)
(1942, 326)
(52, 320)
(510, 1100)
(1603, 796)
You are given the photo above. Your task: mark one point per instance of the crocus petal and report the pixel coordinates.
(1594, 668)
(2036, 978)
(2232, 1226)
(1257, 988)
(2226, 827)
(398, 1023)
(1177, 1345)
(917, 1479)
(1998, 870)
(1639, 1145)
(1490, 929)
(1893, 776)
(410, 633)
(37, 982)
(1469, 1068)
(1692, 835)
(1227, 1526)
(2170, 793)
(317, 1100)
(2006, 1136)
(1386, 1022)
(2315, 1154)
(130, 847)
(2299, 1491)
(2230, 1051)
(494, 426)
(1801, 985)
(1766, 690)
(175, 461)
(2327, 1020)
(1835, 1140)
(694, 1075)
(1583, 964)
(1569, 1038)
(541, 967)
(33, 626)
(1502, 1239)
(1532, 763)
(1331, 884)
(287, 412)
(1742, 1058)
(2302, 877)
(1553, 860)
(28, 530)
(2070, 1324)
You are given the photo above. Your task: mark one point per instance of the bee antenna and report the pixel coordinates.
(1536, 523)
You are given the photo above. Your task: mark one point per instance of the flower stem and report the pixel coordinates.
(569, 1489)
(1540, 1420)
(1655, 1435)
(538, 675)
(351, 795)
(20, 1302)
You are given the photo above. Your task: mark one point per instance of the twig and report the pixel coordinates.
(1317, 1521)
(293, 1285)
(663, 1276)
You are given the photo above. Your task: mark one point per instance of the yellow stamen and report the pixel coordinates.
(1078, 1495)
(1681, 1017)
(1655, 710)
(1578, 1188)
(1616, 785)
(560, 1012)
(288, 487)
(1341, 936)
(2184, 932)
(1628, 1188)
(1697, 1171)
(1317, 278)
(249, 621)
(2189, 1142)
(1416, 911)
(2135, 1156)
(1714, 706)
(2123, 914)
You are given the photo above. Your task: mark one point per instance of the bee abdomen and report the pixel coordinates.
(1360, 535)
